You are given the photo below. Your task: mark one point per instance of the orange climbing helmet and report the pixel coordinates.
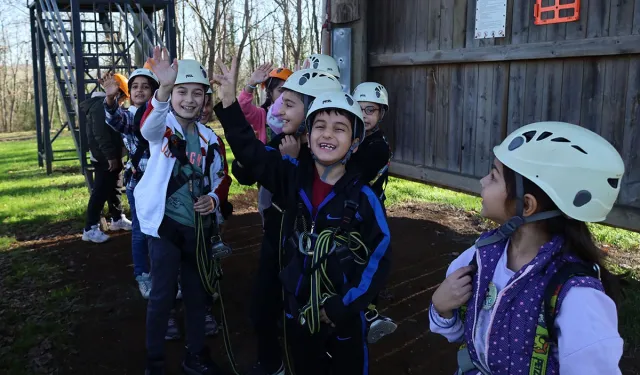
(279, 73)
(123, 83)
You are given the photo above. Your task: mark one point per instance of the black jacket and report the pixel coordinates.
(293, 179)
(104, 143)
(245, 176)
(372, 157)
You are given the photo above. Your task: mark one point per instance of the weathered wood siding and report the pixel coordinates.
(454, 97)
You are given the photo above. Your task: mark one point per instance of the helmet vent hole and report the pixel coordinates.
(613, 182)
(544, 135)
(515, 143)
(579, 149)
(560, 139)
(582, 197)
(529, 135)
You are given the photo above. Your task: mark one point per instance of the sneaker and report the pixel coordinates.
(122, 224)
(154, 368)
(144, 284)
(94, 235)
(258, 369)
(210, 324)
(200, 364)
(173, 332)
(380, 327)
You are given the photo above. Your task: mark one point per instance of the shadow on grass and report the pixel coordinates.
(36, 189)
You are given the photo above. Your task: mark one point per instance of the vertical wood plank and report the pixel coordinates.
(556, 31)
(630, 191)
(636, 18)
(420, 139)
(537, 33)
(429, 110)
(460, 23)
(456, 118)
(520, 23)
(593, 86)
(506, 40)
(390, 27)
(407, 36)
(551, 102)
(534, 87)
(433, 23)
(470, 111)
(616, 71)
(499, 104)
(621, 17)
(391, 123)
(578, 29)
(423, 24)
(442, 123)
(482, 151)
(571, 91)
(517, 83)
(471, 25)
(446, 25)
(598, 19)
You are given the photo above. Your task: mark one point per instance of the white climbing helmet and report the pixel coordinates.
(372, 92)
(312, 82)
(325, 63)
(191, 71)
(338, 100)
(578, 169)
(143, 72)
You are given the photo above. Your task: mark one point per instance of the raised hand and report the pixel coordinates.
(290, 145)
(111, 88)
(226, 81)
(165, 69)
(261, 74)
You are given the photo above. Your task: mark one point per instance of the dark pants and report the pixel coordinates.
(174, 252)
(139, 246)
(107, 187)
(345, 344)
(266, 306)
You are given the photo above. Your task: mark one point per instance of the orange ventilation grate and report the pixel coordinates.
(559, 11)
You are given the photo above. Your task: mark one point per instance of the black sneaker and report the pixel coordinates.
(200, 364)
(154, 367)
(258, 369)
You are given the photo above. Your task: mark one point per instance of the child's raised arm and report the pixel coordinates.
(153, 122)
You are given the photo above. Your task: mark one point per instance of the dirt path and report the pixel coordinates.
(109, 337)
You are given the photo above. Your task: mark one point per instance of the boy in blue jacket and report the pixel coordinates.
(335, 238)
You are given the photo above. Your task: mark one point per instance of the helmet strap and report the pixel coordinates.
(507, 229)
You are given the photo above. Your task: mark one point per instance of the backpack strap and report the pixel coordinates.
(546, 334)
(143, 144)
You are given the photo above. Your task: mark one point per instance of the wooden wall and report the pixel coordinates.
(454, 97)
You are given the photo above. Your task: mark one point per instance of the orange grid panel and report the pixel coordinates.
(572, 8)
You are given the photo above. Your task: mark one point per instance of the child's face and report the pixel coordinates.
(330, 137)
(291, 112)
(494, 194)
(371, 114)
(207, 110)
(187, 99)
(140, 91)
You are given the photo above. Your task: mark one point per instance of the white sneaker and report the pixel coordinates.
(94, 235)
(122, 224)
(144, 284)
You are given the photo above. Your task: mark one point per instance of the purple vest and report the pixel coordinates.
(513, 324)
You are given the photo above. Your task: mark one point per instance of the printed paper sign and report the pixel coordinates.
(491, 18)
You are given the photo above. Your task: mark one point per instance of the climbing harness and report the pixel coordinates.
(383, 170)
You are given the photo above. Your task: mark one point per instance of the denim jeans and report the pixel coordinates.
(139, 246)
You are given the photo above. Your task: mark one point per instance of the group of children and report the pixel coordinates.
(531, 296)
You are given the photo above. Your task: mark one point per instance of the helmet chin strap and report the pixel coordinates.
(302, 128)
(507, 229)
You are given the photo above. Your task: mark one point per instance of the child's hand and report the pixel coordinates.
(454, 292)
(261, 74)
(111, 87)
(165, 69)
(226, 81)
(290, 146)
(204, 204)
(325, 319)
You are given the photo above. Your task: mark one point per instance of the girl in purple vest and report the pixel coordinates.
(547, 181)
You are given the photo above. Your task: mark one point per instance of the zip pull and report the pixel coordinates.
(313, 226)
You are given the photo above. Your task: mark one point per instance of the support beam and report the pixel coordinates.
(35, 37)
(621, 45)
(624, 217)
(350, 14)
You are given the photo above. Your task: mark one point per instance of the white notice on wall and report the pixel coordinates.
(491, 18)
